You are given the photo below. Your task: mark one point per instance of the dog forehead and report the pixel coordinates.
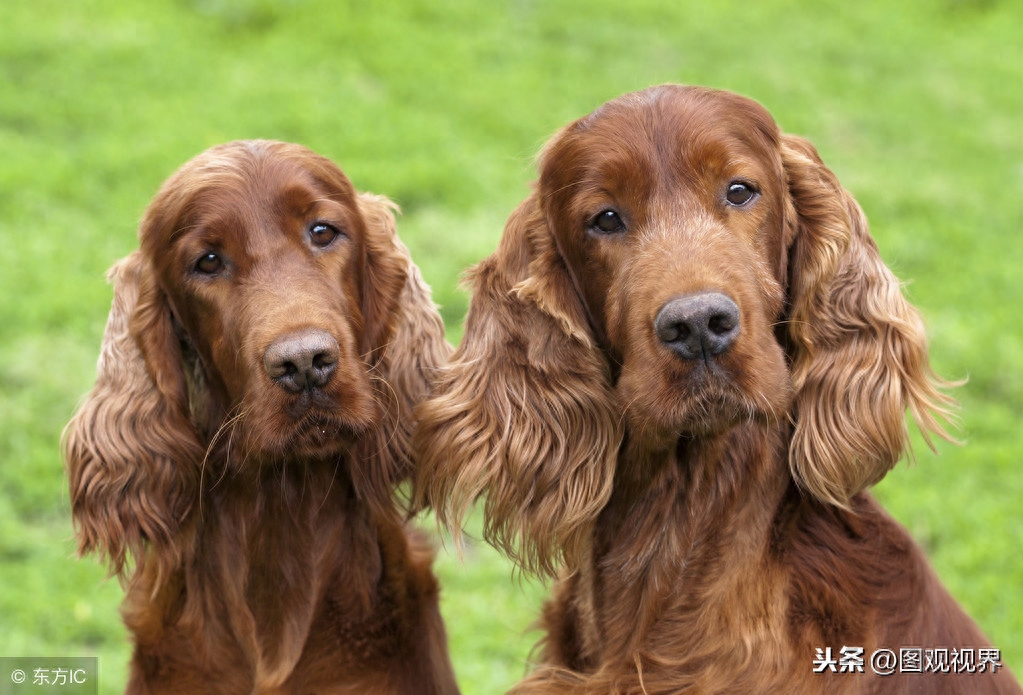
(680, 109)
(246, 193)
(663, 132)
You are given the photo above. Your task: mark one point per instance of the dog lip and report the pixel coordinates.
(702, 374)
(319, 432)
(310, 405)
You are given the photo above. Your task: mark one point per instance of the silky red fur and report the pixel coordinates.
(258, 541)
(709, 519)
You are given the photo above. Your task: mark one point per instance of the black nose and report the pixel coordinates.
(300, 361)
(698, 326)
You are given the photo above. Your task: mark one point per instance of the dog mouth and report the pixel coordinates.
(310, 407)
(711, 404)
(308, 426)
(318, 421)
(690, 399)
(712, 398)
(320, 432)
(311, 423)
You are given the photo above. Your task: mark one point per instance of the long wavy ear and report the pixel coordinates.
(859, 351)
(131, 454)
(385, 272)
(405, 343)
(524, 412)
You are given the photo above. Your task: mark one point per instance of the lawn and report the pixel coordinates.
(917, 107)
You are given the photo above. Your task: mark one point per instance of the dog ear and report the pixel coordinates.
(131, 453)
(406, 345)
(523, 413)
(385, 271)
(859, 351)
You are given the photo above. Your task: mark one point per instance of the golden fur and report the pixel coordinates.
(254, 527)
(706, 516)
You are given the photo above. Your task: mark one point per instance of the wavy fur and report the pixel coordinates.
(131, 453)
(860, 357)
(525, 388)
(255, 527)
(704, 500)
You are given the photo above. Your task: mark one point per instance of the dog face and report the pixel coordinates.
(259, 253)
(270, 315)
(669, 209)
(681, 269)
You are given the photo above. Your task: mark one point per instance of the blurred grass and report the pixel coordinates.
(916, 106)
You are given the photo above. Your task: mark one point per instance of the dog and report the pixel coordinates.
(237, 458)
(682, 368)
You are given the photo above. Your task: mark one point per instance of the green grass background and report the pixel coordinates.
(917, 106)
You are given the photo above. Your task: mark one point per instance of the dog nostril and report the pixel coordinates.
(324, 359)
(720, 324)
(698, 326)
(670, 332)
(303, 360)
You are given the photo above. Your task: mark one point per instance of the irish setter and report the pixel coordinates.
(236, 459)
(681, 369)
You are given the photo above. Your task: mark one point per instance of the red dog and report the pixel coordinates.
(681, 369)
(248, 424)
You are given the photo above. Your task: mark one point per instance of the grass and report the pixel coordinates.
(916, 107)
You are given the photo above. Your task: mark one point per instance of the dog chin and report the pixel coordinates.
(320, 436)
(697, 413)
(313, 436)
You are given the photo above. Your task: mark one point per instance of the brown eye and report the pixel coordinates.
(209, 264)
(740, 193)
(323, 234)
(608, 222)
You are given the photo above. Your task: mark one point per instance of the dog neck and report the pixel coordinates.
(710, 564)
(680, 536)
(261, 565)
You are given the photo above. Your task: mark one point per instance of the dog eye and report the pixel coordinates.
(323, 234)
(209, 264)
(608, 222)
(740, 193)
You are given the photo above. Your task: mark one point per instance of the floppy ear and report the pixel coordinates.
(859, 351)
(384, 274)
(523, 412)
(130, 451)
(405, 343)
